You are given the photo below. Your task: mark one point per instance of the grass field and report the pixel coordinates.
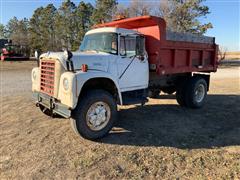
(232, 55)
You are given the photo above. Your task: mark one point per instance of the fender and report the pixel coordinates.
(77, 81)
(83, 77)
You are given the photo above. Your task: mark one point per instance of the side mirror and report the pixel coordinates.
(68, 54)
(36, 55)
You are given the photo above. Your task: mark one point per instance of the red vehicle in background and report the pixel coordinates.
(14, 52)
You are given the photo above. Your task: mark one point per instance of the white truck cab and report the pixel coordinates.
(110, 67)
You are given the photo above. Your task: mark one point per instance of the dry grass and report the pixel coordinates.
(158, 141)
(232, 55)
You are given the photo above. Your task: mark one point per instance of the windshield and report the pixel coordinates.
(103, 42)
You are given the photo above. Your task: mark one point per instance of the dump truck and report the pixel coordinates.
(120, 63)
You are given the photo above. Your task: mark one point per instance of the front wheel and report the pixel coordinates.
(94, 115)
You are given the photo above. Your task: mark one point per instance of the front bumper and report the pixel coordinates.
(52, 104)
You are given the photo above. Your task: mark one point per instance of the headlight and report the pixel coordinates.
(36, 54)
(65, 84)
(34, 75)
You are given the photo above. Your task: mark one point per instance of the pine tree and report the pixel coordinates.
(104, 11)
(47, 26)
(2, 31)
(36, 32)
(51, 29)
(17, 31)
(66, 25)
(42, 29)
(11, 27)
(83, 13)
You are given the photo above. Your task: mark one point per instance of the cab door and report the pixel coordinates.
(133, 72)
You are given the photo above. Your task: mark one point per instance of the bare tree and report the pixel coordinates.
(122, 12)
(222, 52)
(183, 15)
(180, 15)
(163, 9)
(140, 8)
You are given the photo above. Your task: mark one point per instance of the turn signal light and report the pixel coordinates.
(84, 67)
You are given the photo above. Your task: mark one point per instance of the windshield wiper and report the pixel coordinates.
(107, 52)
(131, 56)
(97, 51)
(90, 50)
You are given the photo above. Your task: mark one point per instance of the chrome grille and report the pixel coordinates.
(47, 77)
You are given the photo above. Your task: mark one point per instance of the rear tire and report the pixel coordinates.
(94, 115)
(196, 92)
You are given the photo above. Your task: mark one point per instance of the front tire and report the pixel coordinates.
(94, 115)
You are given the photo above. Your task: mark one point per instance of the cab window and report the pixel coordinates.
(103, 42)
(122, 50)
(127, 46)
(140, 46)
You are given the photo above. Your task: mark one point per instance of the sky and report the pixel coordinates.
(225, 17)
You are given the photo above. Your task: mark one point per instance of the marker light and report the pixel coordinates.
(84, 67)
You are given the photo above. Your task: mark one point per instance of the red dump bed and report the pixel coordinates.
(170, 56)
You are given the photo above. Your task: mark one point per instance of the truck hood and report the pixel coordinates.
(95, 61)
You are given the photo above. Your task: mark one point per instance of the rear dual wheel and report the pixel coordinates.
(192, 93)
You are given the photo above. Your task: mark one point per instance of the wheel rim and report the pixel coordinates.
(98, 116)
(199, 93)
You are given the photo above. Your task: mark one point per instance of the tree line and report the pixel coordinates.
(52, 29)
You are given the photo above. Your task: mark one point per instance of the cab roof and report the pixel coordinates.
(113, 30)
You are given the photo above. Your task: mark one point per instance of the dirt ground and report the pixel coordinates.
(158, 141)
